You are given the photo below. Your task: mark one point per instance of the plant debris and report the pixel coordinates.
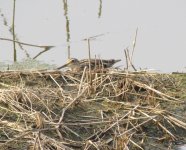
(107, 109)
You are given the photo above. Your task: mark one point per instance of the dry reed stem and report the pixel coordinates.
(81, 82)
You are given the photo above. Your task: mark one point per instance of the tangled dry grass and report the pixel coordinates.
(53, 110)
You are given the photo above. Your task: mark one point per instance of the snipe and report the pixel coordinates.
(78, 65)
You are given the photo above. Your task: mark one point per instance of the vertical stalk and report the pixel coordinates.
(134, 44)
(89, 55)
(65, 4)
(13, 31)
(100, 9)
(126, 58)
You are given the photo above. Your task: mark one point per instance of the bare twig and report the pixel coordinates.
(27, 44)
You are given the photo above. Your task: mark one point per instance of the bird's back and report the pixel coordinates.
(78, 65)
(98, 63)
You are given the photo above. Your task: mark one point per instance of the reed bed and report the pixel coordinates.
(107, 109)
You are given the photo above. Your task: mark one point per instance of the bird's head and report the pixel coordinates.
(72, 61)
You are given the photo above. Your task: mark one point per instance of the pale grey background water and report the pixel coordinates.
(161, 26)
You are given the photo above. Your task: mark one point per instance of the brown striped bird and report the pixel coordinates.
(77, 65)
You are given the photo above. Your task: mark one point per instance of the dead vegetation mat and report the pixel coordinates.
(111, 109)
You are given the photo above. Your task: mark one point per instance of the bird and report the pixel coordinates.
(78, 65)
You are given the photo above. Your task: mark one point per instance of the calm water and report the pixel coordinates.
(65, 24)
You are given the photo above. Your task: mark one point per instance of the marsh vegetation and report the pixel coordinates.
(119, 108)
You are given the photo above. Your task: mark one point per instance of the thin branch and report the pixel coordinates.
(27, 44)
(45, 50)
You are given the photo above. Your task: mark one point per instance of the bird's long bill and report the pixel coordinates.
(118, 60)
(65, 65)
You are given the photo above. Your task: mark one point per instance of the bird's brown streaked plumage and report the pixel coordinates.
(77, 65)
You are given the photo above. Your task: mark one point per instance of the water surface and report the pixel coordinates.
(66, 23)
